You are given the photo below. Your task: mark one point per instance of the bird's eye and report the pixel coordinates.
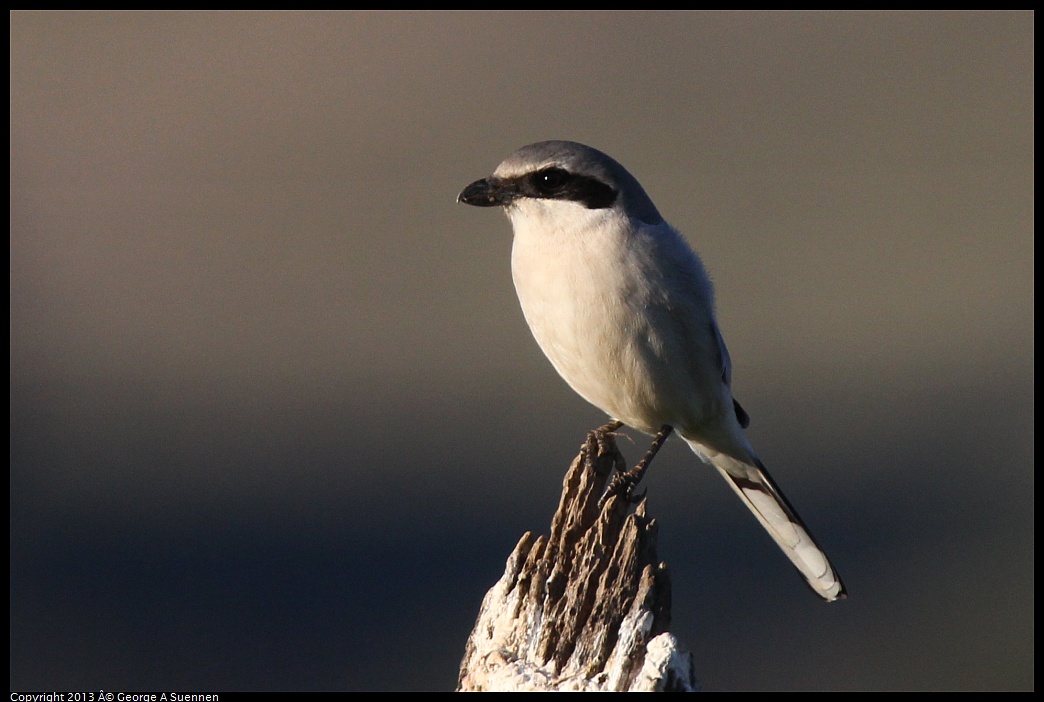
(550, 180)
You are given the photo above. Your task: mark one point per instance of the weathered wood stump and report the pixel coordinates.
(586, 609)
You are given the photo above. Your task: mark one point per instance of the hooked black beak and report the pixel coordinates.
(488, 192)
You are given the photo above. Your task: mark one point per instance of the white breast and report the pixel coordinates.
(623, 323)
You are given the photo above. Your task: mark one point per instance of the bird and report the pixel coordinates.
(623, 308)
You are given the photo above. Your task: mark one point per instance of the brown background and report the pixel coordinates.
(276, 419)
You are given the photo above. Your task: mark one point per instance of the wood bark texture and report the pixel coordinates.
(587, 608)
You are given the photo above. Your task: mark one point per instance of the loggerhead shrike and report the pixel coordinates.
(624, 310)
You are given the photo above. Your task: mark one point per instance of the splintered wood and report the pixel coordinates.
(586, 609)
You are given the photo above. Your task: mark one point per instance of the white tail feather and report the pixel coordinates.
(757, 490)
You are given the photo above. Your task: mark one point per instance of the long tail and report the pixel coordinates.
(758, 491)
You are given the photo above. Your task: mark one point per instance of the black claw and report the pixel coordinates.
(623, 483)
(599, 442)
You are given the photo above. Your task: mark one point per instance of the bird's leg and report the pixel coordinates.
(623, 483)
(597, 443)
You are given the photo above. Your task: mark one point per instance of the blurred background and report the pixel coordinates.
(277, 420)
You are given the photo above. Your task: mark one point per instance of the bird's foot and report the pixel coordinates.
(600, 442)
(623, 483)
